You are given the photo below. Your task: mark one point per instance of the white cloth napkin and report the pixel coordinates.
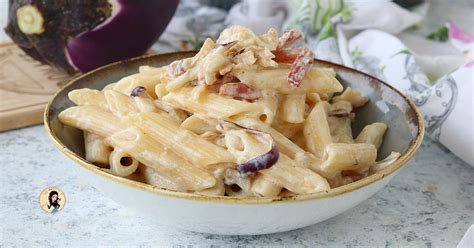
(368, 36)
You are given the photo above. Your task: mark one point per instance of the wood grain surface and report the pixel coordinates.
(26, 86)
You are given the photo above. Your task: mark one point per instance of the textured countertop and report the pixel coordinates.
(429, 203)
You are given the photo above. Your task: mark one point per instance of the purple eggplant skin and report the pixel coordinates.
(61, 21)
(261, 162)
(130, 33)
(137, 90)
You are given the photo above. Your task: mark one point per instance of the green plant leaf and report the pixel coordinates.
(327, 31)
(439, 35)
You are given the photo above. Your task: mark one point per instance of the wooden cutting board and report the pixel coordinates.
(26, 86)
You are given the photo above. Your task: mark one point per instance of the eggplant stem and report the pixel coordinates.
(29, 19)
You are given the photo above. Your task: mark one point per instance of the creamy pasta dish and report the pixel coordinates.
(247, 116)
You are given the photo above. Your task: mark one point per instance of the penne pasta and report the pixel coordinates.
(96, 150)
(182, 80)
(145, 150)
(299, 140)
(294, 178)
(120, 104)
(92, 119)
(145, 103)
(145, 68)
(178, 114)
(265, 187)
(352, 96)
(248, 116)
(244, 145)
(212, 105)
(109, 86)
(285, 145)
(340, 129)
(290, 130)
(318, 80)
(88, 97)
(147, 79)
(292, 108)
(165, 181)
(183, 142)
(160, 90)
(216, 190)
(316, 130)
(354, 157)
(269, 104)
(372, 134)
(198, 125)
(236, 185)
(165, 162)
(380, 165)
(340, 108)
(121, 163)
(207, 69)
(339, 180)
(313, 97)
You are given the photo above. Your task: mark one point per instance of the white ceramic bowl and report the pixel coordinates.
(244, 216)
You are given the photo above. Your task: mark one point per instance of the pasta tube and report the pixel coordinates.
(352, 96)
(178, 114)
(285, 145)
(96, 150)
(143, 148)
(109, 86)
(185, 143)
(165, 162)
(198, 125)
(372, 134)
(121, 164)
(212, 105)
(217, 190)
(88, 97)
(354, 157)
(292, 108)
(296, 179)
(316, 130)
(120, 104)
(340, 128)
(165, 181)
(148, 79)
(236, 185)
(92, 119)
(318, 80)
(265, 187)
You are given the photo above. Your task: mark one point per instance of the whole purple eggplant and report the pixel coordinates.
(85, 34)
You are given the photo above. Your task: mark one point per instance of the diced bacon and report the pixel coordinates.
(219, 82)
(226, 79)
(179, 67)
(240, 91)
(289, 38)
(286, 56)
(213, 87)
(300, 67)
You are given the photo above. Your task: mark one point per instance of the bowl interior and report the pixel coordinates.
(386, 104)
